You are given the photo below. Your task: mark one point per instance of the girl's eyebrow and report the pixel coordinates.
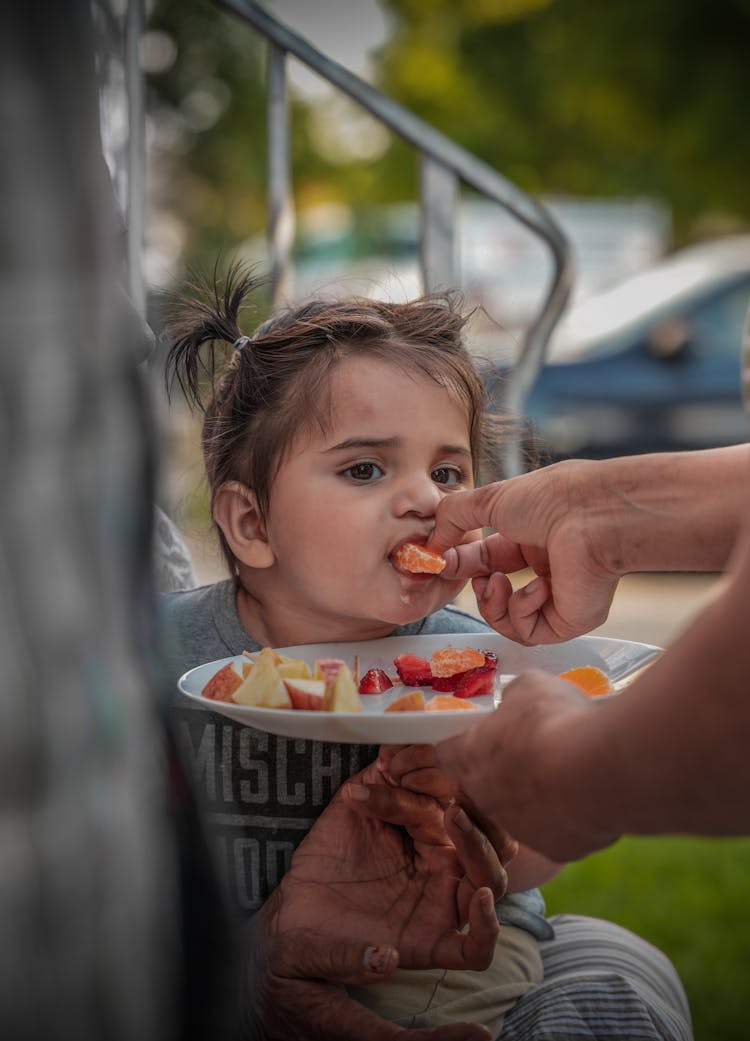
(364, 442)
(390, 442)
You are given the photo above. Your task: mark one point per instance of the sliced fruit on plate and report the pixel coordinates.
(475, 682)
(413, 701)
(590, 679)
(413, 670)
(375, 681)
(342, 696)
(328, 669)
(472, 682)
(444, 702)
(306, 694)
(295, 669)
(264, 687)
(223, 684)
(418, 559)
(450, 660)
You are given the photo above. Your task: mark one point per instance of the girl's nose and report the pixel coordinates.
(417, 494)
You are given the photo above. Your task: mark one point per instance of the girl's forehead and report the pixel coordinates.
(369, 399)
(376, 392)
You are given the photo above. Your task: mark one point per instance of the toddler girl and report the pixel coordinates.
(328, 442)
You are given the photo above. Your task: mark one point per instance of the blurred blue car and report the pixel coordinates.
(652, 364)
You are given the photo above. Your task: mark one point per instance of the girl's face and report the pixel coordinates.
(346, 499)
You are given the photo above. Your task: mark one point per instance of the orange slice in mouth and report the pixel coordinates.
(418, 559)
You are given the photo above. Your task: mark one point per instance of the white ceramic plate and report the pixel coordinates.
(618, 658)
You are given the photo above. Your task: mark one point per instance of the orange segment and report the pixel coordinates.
(418, 559)
(591, 680)
(443, 702)
(411, 702)
(450, 660)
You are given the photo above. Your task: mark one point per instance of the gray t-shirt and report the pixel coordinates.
(261, 793)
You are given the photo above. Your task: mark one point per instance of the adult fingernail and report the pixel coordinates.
(487, 904)
(360, 792)
(463, 821)
(509, 849)
(379, 959)
(480, 587)
(533, 587)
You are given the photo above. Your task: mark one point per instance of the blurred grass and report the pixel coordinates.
(688, 897)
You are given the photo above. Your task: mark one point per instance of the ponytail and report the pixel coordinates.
(199, 323)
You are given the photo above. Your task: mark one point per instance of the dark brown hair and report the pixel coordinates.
(276, 382)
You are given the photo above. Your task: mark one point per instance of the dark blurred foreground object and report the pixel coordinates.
(652, 364)
(99, 859)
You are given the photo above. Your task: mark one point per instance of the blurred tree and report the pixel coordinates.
(584, 97)
(207, 99)
(562, 96)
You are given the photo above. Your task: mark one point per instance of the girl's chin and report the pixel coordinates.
(414, 605)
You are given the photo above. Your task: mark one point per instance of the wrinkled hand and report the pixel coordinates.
(391, 865)
(298, 991)
(393, 868)
(416, 767)
(544, 521)
(511, 770)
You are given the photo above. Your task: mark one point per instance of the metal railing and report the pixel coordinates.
(444, 165)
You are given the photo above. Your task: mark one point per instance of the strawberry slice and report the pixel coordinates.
(375, 681)
(448, 684)
(476, 681)
(413, 671)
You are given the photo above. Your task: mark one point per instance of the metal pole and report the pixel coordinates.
(280, 203)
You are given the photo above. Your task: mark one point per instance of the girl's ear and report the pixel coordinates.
(237, 514)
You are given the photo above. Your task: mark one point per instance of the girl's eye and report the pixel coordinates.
(363, 472)
(450, 476)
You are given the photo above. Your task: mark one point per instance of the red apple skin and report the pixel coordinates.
(306, 695)
(223, 684)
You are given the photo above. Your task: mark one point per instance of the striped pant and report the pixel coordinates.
(601, 983)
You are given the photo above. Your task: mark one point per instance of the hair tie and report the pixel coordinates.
(241, 341)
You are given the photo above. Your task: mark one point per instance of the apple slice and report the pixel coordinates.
(328, 669)
(295, 669)
(264, 687)
(223, 684)
(306, 694)
(343, 695)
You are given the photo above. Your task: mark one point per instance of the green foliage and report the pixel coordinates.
(686, 896)
(625, 97)
(583, 97)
